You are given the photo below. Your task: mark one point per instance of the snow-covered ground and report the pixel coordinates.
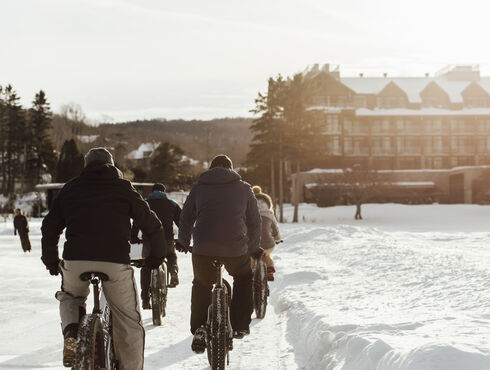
(406, 288)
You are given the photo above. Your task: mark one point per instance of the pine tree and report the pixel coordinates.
(168, 165)
(41, 156)
(15, 136)
(70, 163)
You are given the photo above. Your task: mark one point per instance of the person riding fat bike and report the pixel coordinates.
(96, 209)
(168, 212)
(221, 214)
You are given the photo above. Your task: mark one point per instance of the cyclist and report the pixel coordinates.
(96, 209)
(221, 214)
(270, 230)
(168, 212)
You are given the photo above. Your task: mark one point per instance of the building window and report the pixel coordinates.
(387, 145)
(438, 162)
(348, 145)
(482, 144)
(386, 126)
(360, 101)
(347, 126)
(399, 125)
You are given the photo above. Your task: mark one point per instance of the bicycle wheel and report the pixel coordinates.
(260, 289)
(217, 347)
(90, 344)
(158, 295)
(110, 356)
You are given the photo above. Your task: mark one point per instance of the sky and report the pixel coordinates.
(193, 59)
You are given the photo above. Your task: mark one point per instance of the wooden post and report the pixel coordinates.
(273, 185)
(281, 193)
(296, 194)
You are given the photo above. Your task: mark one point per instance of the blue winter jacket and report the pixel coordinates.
(221, 214)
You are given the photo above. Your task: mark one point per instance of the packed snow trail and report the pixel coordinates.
(407, 288)
(30, 335)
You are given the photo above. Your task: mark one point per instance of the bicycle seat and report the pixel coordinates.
(88, 275)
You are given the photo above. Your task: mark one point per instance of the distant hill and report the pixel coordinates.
(200, 140)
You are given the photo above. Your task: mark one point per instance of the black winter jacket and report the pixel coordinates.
(167, 211)
(221, 214)
(21, 224)
(96, 209)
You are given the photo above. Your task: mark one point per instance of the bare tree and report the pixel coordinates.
(73, 113)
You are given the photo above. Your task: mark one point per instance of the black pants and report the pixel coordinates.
(145, 273)
(205, 276)
(24, 240)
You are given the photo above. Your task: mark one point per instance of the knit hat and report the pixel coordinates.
(158, 187)
(100, 155)
(256, 189)
(222, 160)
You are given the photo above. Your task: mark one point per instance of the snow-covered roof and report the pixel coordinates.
(423, 112)
(412, 86)
(145, 150)
(87, 139)
(414, 184)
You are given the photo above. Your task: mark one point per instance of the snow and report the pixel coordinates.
(423, 112)
(406, 288)
(412, 86)
(87, 139)
(145, 150)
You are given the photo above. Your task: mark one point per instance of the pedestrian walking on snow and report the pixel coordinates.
(270, 229)
(21, 226)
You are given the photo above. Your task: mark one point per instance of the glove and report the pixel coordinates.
(279, 241)
(181, 248)
(54, 268)
(258, 253)
(153, 263)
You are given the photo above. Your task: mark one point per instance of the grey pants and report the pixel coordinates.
(121, 294)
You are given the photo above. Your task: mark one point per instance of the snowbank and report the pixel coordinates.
(399, 217)
(407, 288)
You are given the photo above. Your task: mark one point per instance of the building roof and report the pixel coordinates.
(145, 150)
(363, 112)
(412, 86)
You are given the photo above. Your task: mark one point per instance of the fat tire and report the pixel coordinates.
(90, 353)
(218, 342)
(260, 289)
(110, 355)
(158, 294)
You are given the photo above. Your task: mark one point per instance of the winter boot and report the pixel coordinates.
(239, 334)
(199, 341)
(270, 273)
(174, 277)
(70, 345)
(146, 303)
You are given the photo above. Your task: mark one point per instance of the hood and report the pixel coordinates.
(106, 171)
(218, 175)
(157, 194)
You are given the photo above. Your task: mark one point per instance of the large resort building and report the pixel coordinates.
(405, 122)
(431, 133)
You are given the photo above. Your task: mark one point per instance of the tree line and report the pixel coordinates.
(287, 136)
(26, 151)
